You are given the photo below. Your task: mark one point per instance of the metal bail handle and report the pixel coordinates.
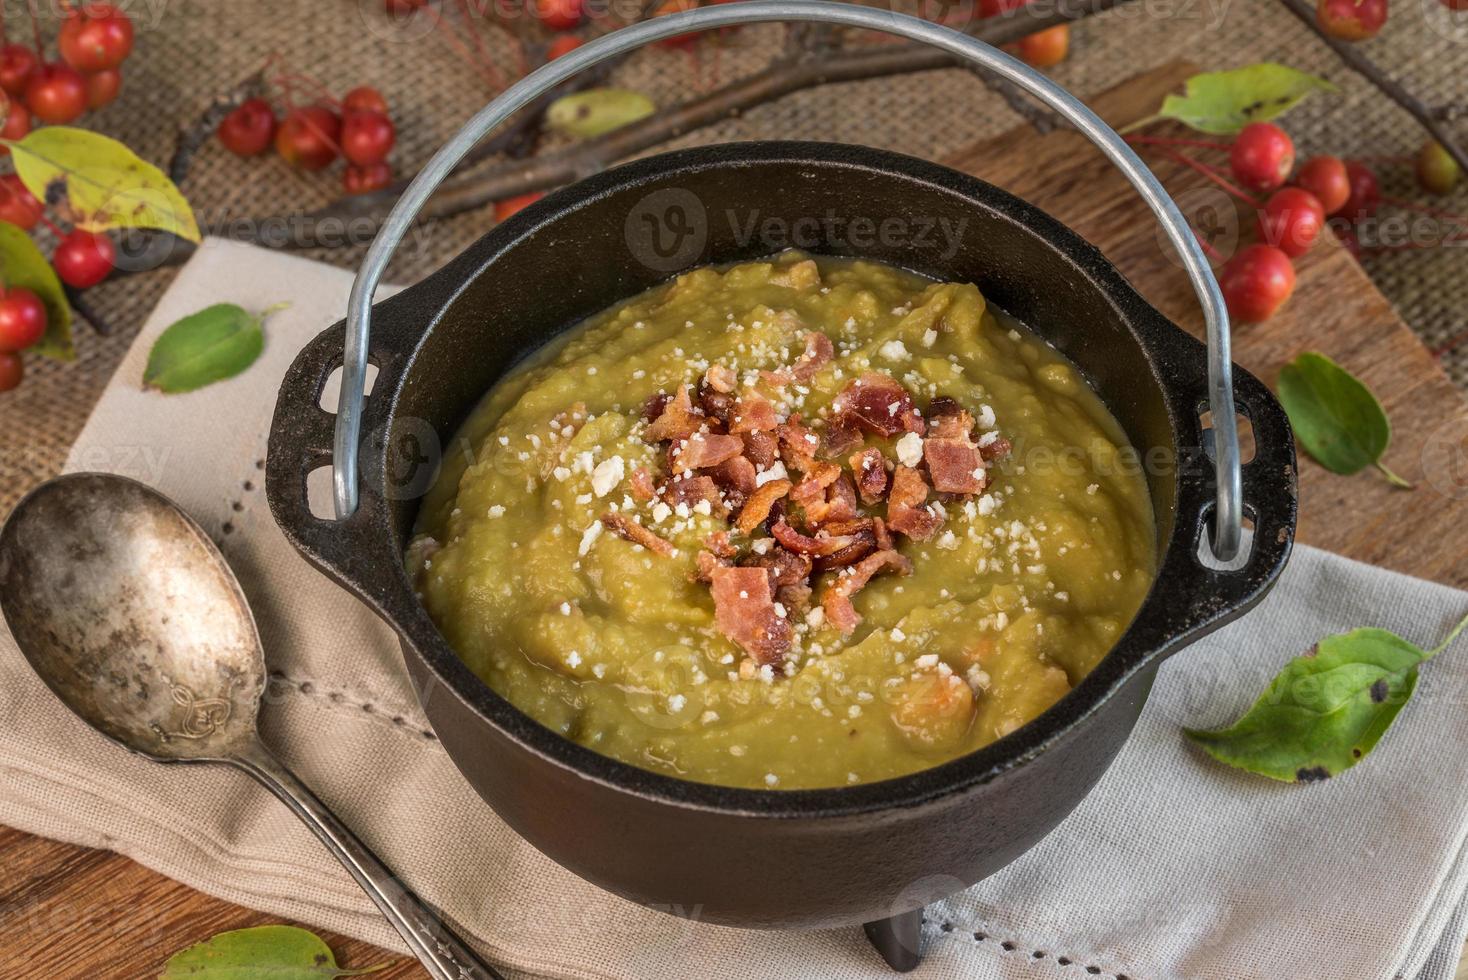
(1228, 522)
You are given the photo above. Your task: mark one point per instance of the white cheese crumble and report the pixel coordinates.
(588, 537)
(930, 337)
(894, 350)
(910, 449)
(775, 472)
(608, 473)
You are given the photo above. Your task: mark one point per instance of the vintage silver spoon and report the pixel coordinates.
(132, 617)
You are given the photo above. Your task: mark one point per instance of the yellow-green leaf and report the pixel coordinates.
(597, 111)
(261, 953)
(215, 343)
(1224, 102)
(22, 264)
(101, 183)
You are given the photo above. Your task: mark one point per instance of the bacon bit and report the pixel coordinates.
(879, 405)
(999, 448)
(716, 405)
(812, 489)
(705, 449)
(720, 378)
(654, 406)
(761, 449)
(905, 511)
(676, 422)
(841, 436)
(786, 568)
(704, 564)
(797, 445)
(871, 474)
(797, 542)
(692, 489)
(819, 352)
(955, 465)
(883, 536)
(642, 485)
(757, 508)
(795, 598)
(836, 600)
(744, 609)
(720, 544)
(753, 412)
(839, 503)
(736, 476)
(949, 419)
(625, 527)
(862, 532)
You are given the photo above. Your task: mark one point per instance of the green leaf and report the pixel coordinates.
(216, 343)
(597, 111)
(22, 264)
(104, 184)
(1224, 102)
(1336, 418)
(261, 953)
(1326, 710)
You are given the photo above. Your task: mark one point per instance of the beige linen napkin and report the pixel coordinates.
(1174, 866)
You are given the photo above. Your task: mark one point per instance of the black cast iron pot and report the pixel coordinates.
(808, 858)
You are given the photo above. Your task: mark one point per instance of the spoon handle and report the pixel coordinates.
(443, 954)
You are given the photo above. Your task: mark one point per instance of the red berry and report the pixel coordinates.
(1437, 171)
(84, 259)
(1456, 4)
(17, 122)
(365, 179)
(510, 205)
(1326, 178)
(102, 87)
(1262, 156)
(1351, 20)
(364, 98)
(1043, 49)
(98, 37)
(56, 94)
(367, 137)
(249, 128)
(17, 204)
(1256, 282)
(561, 45)
(403, 6)
(17, 64)
(1365, 195)
(309, 138)
(22, 319)
(12, 371)
(559, 15)
(1291, 221)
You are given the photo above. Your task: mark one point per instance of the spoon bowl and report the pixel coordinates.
(128, 612)
(132, 617)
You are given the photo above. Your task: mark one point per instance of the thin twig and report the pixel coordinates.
(192, 137)
(87, 312)
(1354, 59)
(1042, 119)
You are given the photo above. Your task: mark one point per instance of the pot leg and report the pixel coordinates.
(897, 939)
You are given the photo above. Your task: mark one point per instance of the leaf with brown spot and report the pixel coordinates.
(1327, 709)
(100, 183)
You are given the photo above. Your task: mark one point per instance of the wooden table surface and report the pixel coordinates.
(70, 912)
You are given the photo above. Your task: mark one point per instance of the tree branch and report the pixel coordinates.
(1351, 55)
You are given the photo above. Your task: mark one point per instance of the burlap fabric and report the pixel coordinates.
(190, 51)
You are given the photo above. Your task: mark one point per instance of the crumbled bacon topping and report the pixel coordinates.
(815, 491)
(878, 404)
(757, 508)
(744, 610)
(906, 512)
(836, 600)
(625, 527)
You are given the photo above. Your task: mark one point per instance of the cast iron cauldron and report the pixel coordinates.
(756, 858)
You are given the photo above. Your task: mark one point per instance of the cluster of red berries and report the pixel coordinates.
(358, 128)
(22, 325)
(95, 40)
(1360, 20)
(1260, 277)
